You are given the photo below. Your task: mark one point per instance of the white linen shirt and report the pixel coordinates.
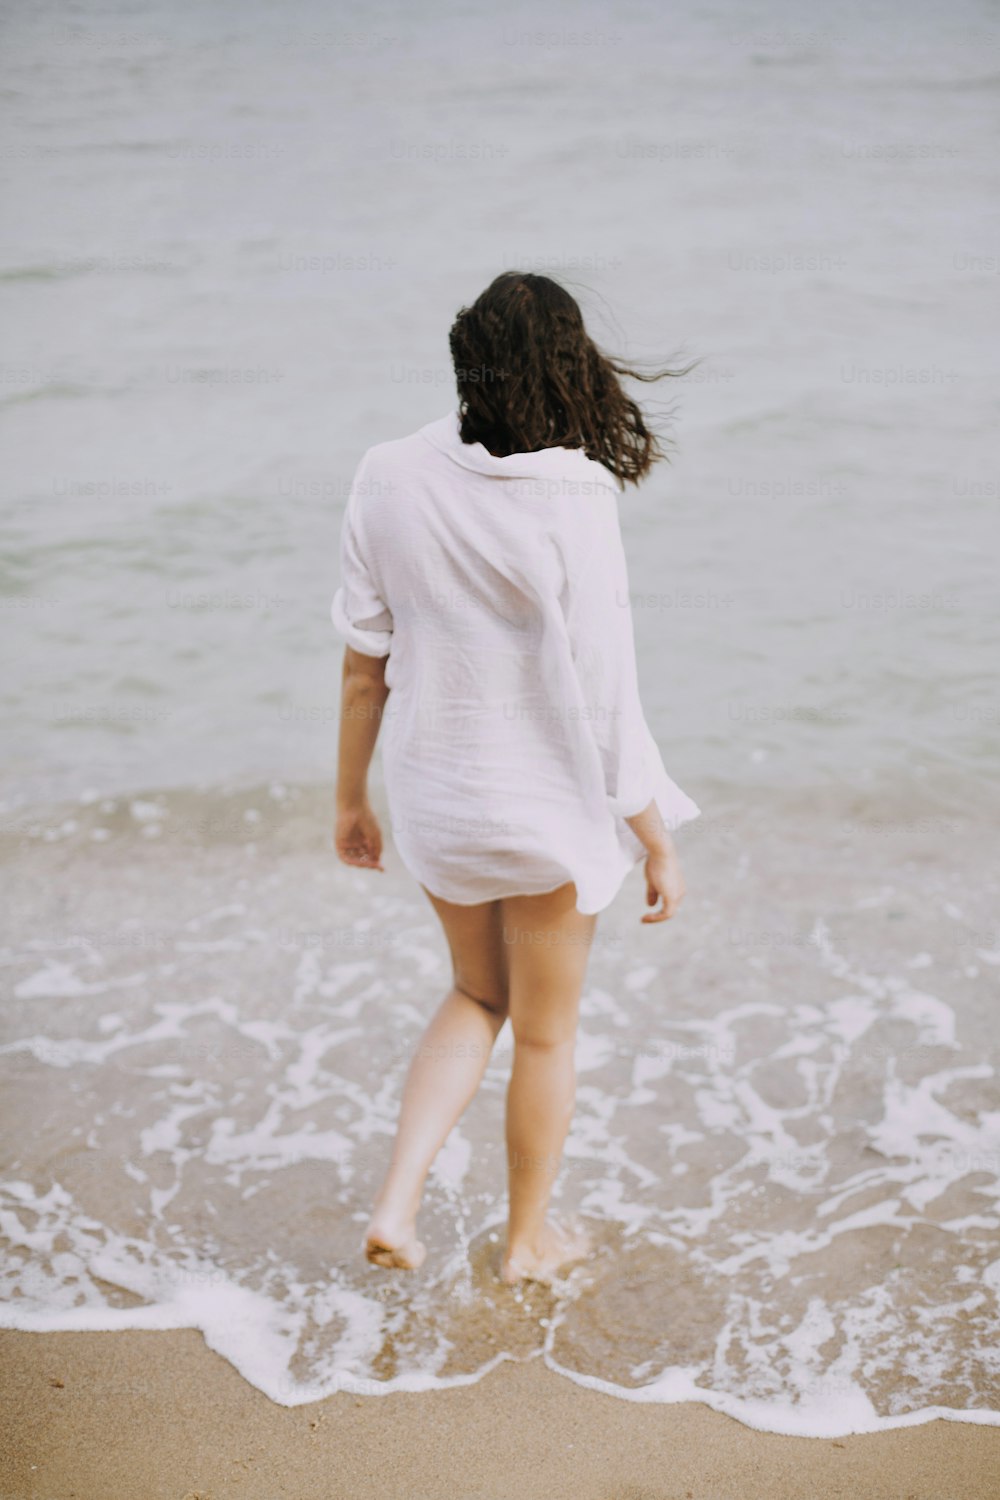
(514, 744)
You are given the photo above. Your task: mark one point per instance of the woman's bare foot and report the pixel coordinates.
(393, 1245)
(557, 1245)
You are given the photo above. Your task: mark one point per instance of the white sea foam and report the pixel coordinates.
(737, 1144)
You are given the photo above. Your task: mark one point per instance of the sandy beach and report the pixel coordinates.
(158, 1416)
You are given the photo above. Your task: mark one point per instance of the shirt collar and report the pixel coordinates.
(547, 463)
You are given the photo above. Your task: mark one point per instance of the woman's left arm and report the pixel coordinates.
(357, 836)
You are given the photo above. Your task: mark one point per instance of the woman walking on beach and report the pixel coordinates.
(485, 607)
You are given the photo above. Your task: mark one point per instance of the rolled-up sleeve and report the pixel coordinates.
(603, 644)
(359, 612)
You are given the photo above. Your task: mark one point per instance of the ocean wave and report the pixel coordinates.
(783, 1142)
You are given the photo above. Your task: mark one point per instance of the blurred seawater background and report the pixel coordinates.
(235, 239)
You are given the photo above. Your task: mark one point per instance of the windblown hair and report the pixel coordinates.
(530, 377)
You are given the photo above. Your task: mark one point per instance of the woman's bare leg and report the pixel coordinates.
(548, 945)
(446, 1071)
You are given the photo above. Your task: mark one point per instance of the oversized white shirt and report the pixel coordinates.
(514, 744)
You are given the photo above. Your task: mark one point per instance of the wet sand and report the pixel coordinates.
(159, 1416)
(782, 1143)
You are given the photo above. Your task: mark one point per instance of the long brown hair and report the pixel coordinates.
(530, 377)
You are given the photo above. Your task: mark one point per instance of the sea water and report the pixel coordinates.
(236, 239)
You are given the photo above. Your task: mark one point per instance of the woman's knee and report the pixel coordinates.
(546, 1035)
(492, 995)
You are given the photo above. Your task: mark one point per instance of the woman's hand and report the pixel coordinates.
(357, 837)
(664, 882)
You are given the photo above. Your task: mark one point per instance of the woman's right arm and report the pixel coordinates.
(604, 640)
(664, 877)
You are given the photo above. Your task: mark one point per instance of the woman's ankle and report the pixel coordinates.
(399, 1207)
(526, 1240)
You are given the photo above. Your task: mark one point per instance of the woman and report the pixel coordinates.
(484, 594)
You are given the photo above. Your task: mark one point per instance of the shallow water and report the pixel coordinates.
(786, 1141)
(238, 239)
